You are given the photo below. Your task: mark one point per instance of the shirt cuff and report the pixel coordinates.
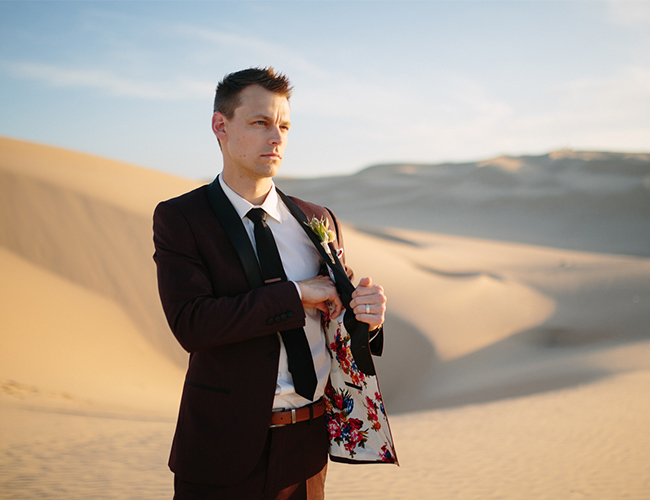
(298, 289)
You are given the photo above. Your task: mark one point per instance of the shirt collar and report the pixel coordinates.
(271, 203)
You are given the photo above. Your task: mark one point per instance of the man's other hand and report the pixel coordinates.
(317, 292)
(369, 303)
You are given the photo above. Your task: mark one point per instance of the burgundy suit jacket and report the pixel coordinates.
(230, 331)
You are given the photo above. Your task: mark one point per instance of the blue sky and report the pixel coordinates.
(375, 82)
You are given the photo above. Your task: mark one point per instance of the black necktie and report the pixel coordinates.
(295, 342)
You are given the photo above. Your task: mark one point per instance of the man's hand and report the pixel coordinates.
(317, 292)
(373, 297)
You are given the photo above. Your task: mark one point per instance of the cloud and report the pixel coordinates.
(629, 12)
(458, 118)
(616, 101)
(610, 112)
(103, 80)
(436, 115)
(123, 59)
(235, 47)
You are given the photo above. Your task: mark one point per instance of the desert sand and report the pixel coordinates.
(517, 360)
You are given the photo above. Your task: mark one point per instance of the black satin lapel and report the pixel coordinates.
(343, 283)
(359, 337)
(234, 228)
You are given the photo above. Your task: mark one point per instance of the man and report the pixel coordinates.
(251, 421)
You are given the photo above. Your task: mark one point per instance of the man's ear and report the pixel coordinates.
(219, 125)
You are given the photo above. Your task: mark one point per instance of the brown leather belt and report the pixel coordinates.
(295, 415)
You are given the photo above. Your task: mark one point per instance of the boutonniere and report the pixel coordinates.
(322, 230)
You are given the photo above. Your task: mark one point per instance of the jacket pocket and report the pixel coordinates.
(198, 385)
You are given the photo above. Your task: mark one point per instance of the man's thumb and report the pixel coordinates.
(365, 282)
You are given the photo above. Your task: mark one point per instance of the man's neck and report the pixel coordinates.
(252, 190)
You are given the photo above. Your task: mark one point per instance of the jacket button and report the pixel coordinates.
(278, 319)
(283, 316)
(274, 354)
(289, 314)
(270, 321)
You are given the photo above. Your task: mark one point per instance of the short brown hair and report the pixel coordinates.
(227, 99)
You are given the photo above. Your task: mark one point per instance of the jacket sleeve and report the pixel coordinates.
(199, 317)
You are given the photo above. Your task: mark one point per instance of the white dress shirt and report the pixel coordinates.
(300, 261)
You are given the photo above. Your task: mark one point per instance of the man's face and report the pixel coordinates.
(254, 139)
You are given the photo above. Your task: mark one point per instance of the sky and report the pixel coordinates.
(375, 81)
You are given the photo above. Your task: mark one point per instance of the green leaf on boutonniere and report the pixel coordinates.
(321, 229)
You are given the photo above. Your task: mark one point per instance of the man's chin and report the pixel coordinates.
(270, 169)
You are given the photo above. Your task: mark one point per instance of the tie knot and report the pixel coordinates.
(256, 215)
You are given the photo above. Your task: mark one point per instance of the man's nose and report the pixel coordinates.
(275, 136)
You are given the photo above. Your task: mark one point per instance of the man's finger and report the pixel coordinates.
(338, 306)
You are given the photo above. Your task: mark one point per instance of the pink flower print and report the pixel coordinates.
(386, 455)
(334, 429)
(372, 409)
(355, 423)
(350, 448)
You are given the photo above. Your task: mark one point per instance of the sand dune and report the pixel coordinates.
(57, 210)
(594, 202)
(505, 319)
(518, 338)
(67, 347)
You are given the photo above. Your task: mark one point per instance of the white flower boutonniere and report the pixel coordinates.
(322, 229)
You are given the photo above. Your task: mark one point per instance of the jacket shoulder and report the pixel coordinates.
(191, 205)
(310, 209)
(188, 199)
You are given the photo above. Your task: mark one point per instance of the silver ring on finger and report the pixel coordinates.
(367, 309)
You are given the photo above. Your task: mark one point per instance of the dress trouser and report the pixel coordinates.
(293, 466)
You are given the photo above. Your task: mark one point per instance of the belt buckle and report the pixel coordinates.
(293, 419)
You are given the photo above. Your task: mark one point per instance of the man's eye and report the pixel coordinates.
(260, 122)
